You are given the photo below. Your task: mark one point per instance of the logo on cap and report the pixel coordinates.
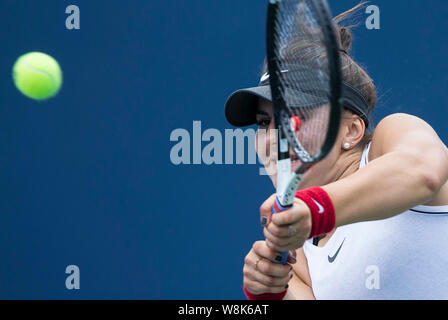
(266, 76)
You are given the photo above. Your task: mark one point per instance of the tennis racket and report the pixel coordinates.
(306, 85)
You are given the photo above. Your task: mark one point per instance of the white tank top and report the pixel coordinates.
(403, 257)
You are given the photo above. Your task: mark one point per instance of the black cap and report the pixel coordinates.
(241, 106)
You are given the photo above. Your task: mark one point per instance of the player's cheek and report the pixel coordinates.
(262, 145)
(259, 146)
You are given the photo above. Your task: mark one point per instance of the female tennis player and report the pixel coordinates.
(386, 189)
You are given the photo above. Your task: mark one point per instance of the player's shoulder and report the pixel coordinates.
(398, 121)
(391, 128)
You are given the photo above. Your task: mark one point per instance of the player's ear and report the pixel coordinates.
(353, 133)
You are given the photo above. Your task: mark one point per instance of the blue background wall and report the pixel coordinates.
(86, 178)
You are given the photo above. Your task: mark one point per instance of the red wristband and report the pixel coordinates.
(264, 296)
(322, 210)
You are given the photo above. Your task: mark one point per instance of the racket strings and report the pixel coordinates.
(303, 74)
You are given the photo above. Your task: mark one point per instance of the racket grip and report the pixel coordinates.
(277, 208)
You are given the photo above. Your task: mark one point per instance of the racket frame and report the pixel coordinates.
(288, 183)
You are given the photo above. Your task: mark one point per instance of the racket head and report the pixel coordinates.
(305, 78)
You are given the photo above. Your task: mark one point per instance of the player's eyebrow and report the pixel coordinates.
(262, 112)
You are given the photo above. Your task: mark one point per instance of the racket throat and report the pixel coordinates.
(287, 183)
(286, 197)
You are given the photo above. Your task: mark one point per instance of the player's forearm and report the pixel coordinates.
(299, 290)
(386, 187)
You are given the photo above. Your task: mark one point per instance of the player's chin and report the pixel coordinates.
(271, 170)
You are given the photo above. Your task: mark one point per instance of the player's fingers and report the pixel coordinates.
(274, 239)
(297, 236)
(256, 287)
(262, 250)
(267, 280)
(299, 213)
(297, 230)
(292, 257)
(287, 217)
(273, 282)
(283, 245)
(266, 210)
(283, 231)
(276, 247)
(261, 275)
(270, 268)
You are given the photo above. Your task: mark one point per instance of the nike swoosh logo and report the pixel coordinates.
(331, 259)
(266, 75)
(321, 208)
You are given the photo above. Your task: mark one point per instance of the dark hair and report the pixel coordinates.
(352, 72)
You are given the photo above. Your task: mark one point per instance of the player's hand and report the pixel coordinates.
(262, 274)
(287, 230)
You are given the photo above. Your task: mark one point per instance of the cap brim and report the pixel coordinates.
(241, 106)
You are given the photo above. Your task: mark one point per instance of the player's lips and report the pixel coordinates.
(295, 161)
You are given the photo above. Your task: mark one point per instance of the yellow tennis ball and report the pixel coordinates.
(37, 75)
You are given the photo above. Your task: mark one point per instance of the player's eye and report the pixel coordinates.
(263, 123)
